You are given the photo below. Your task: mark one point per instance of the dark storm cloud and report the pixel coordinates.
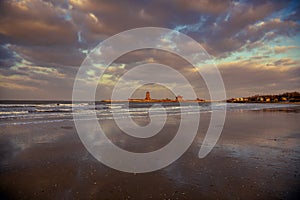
(35, 23)
(222, 26)
(45, 56)
(7, 58)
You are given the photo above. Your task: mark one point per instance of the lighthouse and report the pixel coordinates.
(148, 96)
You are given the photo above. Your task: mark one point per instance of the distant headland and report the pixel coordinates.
(288, 97)
(148, 98)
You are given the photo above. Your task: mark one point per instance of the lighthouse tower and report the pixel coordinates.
(148, 96)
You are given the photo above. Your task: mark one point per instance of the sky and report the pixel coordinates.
(254, 44)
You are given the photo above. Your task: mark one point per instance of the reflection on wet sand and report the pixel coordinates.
(257, 157)
(287, 110)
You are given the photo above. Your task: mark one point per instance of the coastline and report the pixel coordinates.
(287, 103)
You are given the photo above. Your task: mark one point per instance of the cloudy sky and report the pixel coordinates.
(255, 44)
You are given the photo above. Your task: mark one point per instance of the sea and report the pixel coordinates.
(35, 112)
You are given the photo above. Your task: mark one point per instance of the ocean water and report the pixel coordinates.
(15, 113)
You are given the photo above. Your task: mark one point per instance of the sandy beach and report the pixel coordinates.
(256, 157)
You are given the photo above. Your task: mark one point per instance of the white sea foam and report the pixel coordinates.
(16, 114)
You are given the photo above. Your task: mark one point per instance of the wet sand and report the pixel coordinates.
(256, 157)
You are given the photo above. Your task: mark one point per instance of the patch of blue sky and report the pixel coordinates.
(283, 41)
(284, 13)
(68, 16)
(267, 49)
(189, 28)
(235, 56)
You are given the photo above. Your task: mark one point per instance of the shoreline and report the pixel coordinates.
(126, 101)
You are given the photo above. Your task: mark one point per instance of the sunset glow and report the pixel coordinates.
(255, 44)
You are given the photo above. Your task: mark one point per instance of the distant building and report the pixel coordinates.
(283, 99)
(179, 98)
